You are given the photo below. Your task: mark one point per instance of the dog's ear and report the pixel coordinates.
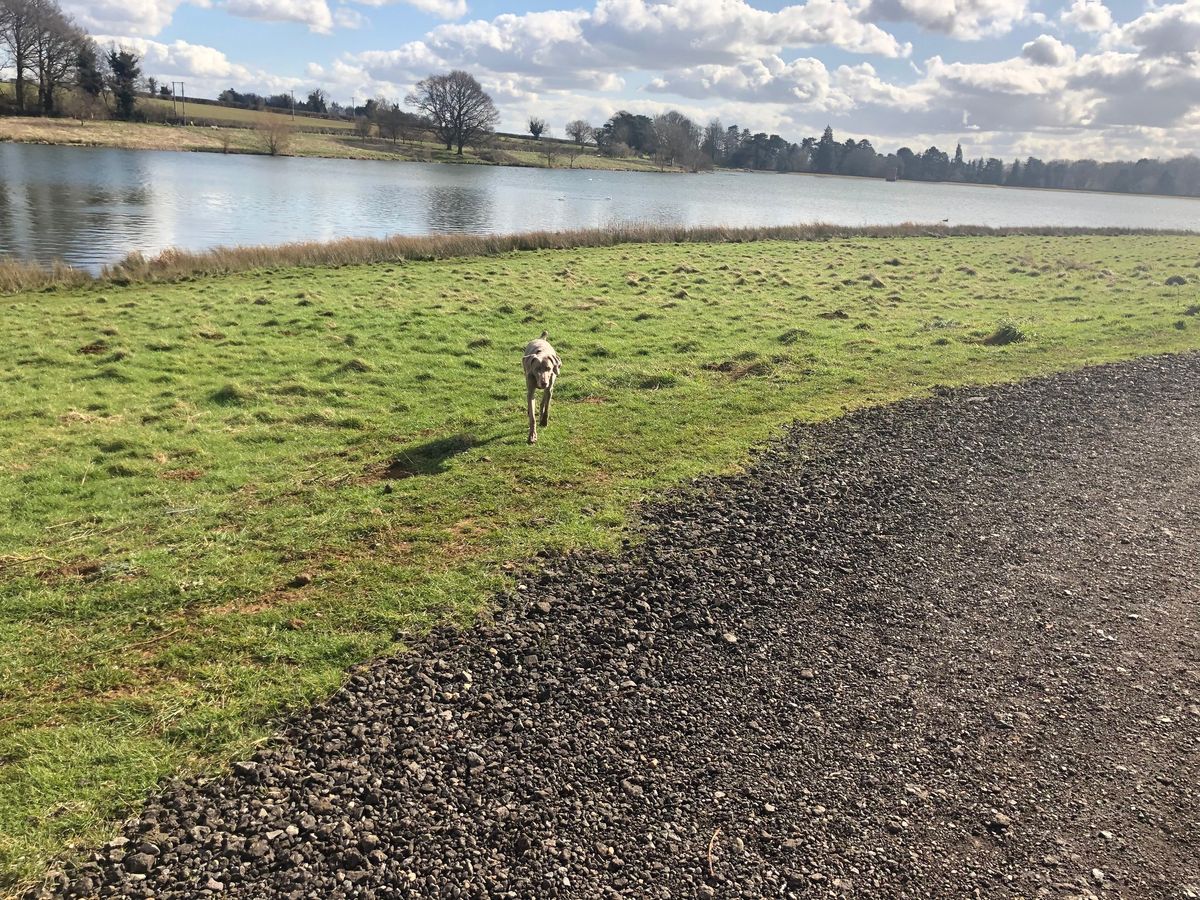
(525, 362)
(557, 363)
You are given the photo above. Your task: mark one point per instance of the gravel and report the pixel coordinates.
(946, 648)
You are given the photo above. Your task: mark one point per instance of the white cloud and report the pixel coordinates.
(136, 17)
(350, 18)
(964, 19)
(1165, 31)
(1045, 50)
(206, 70)
(313, 13)
(804, 82)
(556, 50)
(698, 32)
(443, 9)
(1087, 15)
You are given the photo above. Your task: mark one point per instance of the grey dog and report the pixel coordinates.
(542, 365)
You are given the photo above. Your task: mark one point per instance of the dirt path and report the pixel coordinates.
(949, 648)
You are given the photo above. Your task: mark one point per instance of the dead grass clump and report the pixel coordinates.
(1006, 333)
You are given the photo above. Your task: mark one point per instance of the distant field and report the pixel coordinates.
(220, 493)
(237, 137)
(245, 117)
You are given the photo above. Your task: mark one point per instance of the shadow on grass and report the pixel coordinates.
(430, 458)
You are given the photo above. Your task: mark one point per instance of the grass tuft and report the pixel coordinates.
(231, 394)
(1007, 332)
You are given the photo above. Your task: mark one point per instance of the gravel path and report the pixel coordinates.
(948, 648)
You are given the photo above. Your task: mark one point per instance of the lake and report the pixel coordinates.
(93, 206)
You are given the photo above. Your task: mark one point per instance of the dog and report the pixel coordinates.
(542, 365)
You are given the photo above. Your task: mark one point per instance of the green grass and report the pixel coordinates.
(234, 115)
(174, 455)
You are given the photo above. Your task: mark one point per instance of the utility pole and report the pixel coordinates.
(178, 100)
(293, 93)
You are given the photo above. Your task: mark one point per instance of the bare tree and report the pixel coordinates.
(551, 149)
(713, 144)
(677, 140)
(388, 117)
(56, 46)
(458, 108)
(580, 133)
(536, 127)
(362, 127)
(18, 27)
(277, 136)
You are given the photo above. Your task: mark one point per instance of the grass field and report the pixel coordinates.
(224, 491)
(237, 137)
(233, 115)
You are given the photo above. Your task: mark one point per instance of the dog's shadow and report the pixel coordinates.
(430, 458)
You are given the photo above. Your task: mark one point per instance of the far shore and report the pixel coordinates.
(304, 142)
(316, 144)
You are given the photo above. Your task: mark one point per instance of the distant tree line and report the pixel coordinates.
(673, 139)
(315, 102)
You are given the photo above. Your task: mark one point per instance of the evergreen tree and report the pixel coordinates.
(124, 71)
(825, 155)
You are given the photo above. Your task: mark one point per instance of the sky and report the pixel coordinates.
(1105, 79)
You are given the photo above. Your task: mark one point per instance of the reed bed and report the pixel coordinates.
(17, 276)
(175, 265)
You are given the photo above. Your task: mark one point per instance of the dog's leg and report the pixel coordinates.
(530, 389)
(546, 396)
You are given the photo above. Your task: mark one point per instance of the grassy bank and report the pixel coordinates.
(177, 265)
(224, 491)
(311, 137)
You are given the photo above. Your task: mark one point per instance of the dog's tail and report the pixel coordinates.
(545, 334)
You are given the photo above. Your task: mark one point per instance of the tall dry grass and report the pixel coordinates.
(17, 276)
(172, 265)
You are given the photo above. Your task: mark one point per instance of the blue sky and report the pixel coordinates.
(1100, 78)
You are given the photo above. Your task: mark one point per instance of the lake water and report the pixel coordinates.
(89, 206)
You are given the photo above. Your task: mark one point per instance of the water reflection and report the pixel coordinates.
(92, 206)
(451, 209)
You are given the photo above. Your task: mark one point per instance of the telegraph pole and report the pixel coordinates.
(293, 93)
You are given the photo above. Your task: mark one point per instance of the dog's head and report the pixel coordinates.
(541, 368)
